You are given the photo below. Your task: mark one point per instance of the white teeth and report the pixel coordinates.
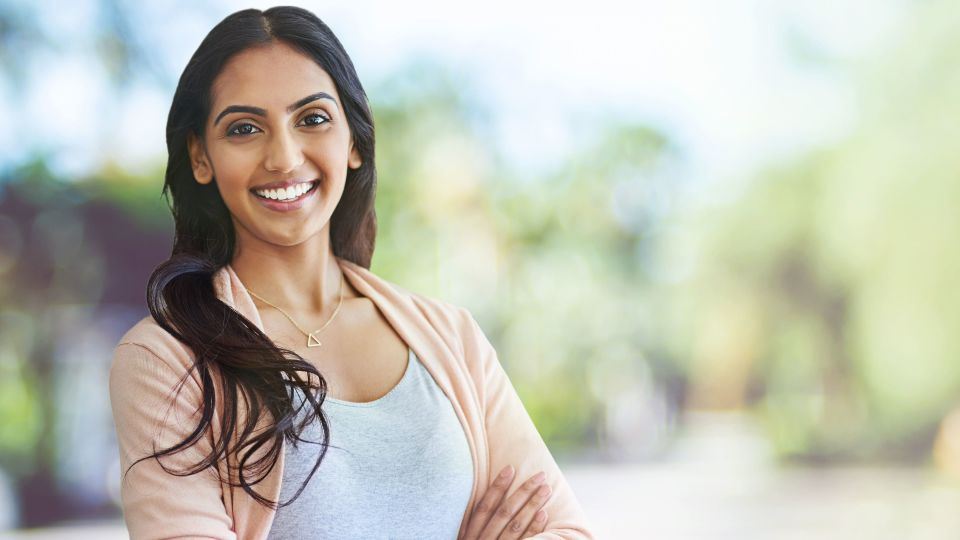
(291, 192)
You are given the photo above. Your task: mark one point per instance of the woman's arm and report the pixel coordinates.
(513, 438)
(149, 416)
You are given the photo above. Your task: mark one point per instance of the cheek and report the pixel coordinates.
(234, 169)
(334, 153)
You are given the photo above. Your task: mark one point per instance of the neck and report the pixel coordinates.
(303, 278)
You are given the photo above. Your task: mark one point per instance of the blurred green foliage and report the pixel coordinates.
(840, 269)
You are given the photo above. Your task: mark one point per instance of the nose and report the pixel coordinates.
(283, 153)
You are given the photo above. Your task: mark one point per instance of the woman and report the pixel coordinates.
(279, 388)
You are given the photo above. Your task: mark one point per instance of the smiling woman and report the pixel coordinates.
(392, 417)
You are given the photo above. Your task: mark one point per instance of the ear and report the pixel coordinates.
(354, 161)
(202, 170)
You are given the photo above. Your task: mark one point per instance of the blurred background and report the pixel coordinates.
(714, 243)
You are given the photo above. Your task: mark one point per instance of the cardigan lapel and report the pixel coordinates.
(441, 362)
(250, 518)
(406, 320)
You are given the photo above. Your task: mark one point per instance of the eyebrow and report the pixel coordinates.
(263, 112)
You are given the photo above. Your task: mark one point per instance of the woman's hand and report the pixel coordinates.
(513, 518)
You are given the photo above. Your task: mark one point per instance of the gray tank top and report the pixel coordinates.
(397, 467)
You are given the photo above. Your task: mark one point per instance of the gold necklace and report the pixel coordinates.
(312, 340)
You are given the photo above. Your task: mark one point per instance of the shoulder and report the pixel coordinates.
(457, 327)
(446, 317)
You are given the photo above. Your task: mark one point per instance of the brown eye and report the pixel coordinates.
(315, 119)
(241, 130)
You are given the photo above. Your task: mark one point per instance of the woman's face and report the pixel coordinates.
(276, 120)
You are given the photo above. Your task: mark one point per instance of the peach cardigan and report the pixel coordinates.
(148, 362)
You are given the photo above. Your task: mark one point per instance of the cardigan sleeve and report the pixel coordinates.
(513, 439)
(149, 415)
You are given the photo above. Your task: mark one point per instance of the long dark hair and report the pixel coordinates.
(228, 348)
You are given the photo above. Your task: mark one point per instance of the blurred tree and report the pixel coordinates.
(825, 295)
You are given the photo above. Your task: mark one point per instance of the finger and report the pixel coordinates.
(488, 503)
(537, 526)
(524, 519)
(509, 507)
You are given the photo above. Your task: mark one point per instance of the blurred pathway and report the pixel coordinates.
(721, 483)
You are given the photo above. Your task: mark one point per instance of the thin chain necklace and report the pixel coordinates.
(312, 339)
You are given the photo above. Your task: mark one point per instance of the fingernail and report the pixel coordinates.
(544, 491)
(507, 471)
(541, 515)
(539, 477)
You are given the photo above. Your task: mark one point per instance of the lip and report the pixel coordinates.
(286, 206)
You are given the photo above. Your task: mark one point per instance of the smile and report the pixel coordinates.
(287, 199)
(289, 194)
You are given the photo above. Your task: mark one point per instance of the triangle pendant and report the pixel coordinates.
(312, 341)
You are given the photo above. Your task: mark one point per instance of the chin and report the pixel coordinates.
(288, 240)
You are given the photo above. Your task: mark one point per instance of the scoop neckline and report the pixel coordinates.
(366, 404)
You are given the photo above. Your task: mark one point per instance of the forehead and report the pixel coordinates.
(270, 76)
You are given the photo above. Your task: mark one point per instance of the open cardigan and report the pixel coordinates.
(148, 362)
